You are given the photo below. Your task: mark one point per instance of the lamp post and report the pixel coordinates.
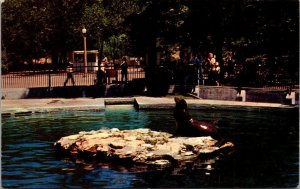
(101, 41)
(84, 49)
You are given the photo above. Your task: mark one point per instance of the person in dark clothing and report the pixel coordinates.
(101, 79)
(69, 76)
(187, 126)
(197, 72)
(124, 71)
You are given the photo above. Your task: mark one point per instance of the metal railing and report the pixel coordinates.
(57, 78)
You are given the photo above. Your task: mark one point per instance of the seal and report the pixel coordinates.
(187, 126)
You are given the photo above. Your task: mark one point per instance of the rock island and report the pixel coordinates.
(139, 147)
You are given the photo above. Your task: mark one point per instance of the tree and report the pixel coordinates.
(105, 21)
(64, 29)
(247, 28)
(21, 29)
(157, 19)
(33, 29)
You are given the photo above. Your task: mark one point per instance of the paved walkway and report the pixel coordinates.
(167, 103)
(24, 106)
(28, 106)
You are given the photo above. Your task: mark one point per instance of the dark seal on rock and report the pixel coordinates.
(187, 126)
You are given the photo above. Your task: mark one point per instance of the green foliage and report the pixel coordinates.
(33, 29)
(105, 19)
(248, 28)
(115, 47)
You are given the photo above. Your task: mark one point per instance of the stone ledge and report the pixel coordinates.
(139, 147)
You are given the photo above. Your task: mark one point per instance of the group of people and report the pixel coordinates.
(102, 73)
(190, 71)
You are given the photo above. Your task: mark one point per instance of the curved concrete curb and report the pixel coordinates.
(28, 106)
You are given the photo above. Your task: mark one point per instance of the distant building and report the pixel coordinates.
(77, 59)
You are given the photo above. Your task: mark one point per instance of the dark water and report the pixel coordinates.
(266, 152)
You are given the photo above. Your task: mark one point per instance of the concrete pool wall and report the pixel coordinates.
(20, 107)
(227, 93)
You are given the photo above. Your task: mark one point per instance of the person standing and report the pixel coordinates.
(69, 76)
(124, 71)
(215, 71)
(197, 70)
(101, 74)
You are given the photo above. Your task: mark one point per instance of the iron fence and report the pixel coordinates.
(57, 78)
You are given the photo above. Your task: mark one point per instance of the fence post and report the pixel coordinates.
(292, 96)
(49, 81)
(241, 95)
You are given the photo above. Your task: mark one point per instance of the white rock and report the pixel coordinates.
(113, 130)
(140, 145)
(189, 153)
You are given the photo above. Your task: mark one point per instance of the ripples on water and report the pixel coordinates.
(266, 155)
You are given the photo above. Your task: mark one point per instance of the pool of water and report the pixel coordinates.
(266, 152)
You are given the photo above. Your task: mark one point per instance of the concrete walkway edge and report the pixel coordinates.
(29, 106)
